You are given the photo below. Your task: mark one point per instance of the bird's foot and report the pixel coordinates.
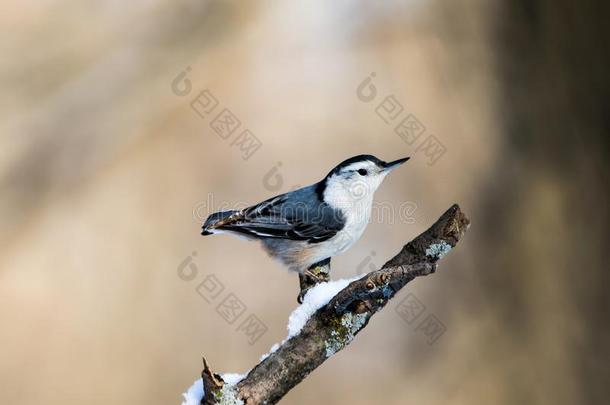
(314, 275)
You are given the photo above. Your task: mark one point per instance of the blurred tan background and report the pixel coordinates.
(106, 169)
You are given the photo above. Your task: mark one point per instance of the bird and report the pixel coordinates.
(306, 227)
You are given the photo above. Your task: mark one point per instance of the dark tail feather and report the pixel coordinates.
(216, 220)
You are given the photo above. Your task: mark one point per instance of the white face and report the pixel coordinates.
(354, 184)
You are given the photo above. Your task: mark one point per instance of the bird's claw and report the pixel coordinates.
(311, 277)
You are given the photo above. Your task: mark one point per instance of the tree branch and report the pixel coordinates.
(336, 324)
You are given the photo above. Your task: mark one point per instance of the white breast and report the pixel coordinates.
(357, 213)
(357, 219)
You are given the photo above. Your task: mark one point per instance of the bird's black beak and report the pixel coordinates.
(395, 164)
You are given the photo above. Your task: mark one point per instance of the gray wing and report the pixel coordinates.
(299, 215)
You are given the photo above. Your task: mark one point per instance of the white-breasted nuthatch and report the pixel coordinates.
(306, 227)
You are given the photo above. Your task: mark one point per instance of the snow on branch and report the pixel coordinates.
(331, 315)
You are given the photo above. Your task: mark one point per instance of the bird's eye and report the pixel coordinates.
(362, 172)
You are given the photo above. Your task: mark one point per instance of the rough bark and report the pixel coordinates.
(336, 324)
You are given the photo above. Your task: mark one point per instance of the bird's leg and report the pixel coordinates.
(314, 275)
